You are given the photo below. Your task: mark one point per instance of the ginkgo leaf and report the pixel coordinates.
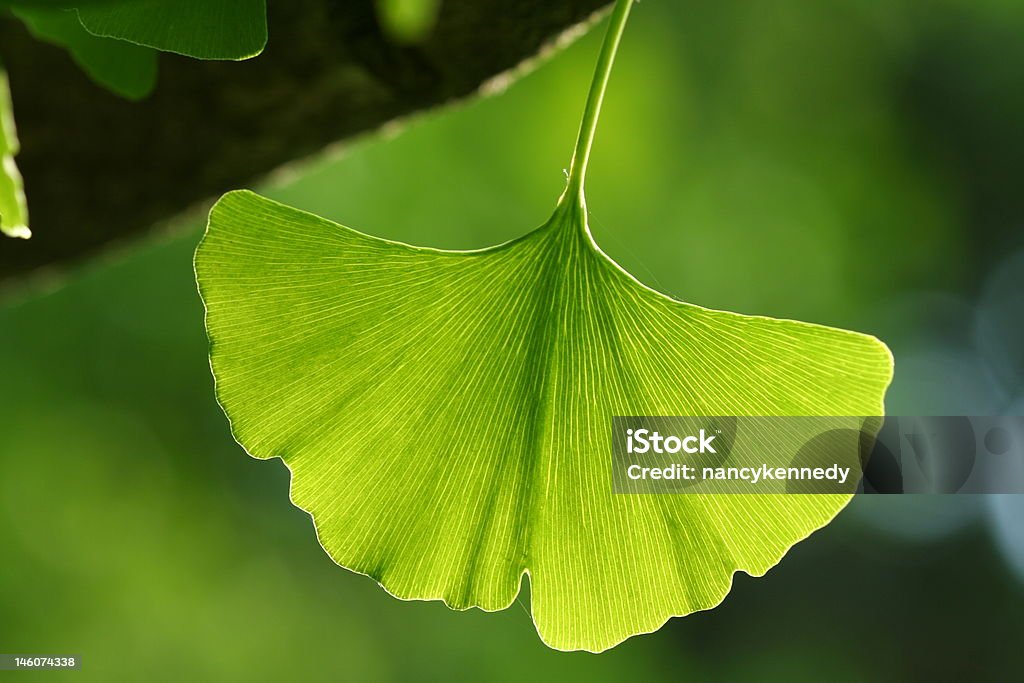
(446, 415)
(13, 209)
(204, 29)
(126, 69)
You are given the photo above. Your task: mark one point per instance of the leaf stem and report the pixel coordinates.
(588, 127)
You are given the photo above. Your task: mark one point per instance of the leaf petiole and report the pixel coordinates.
(588, 127)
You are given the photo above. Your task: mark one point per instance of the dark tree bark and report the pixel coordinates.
(99, 169)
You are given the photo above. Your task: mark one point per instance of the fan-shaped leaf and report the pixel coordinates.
(446, 415)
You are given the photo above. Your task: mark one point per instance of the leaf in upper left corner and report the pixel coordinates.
(203, 29)
(13, 209)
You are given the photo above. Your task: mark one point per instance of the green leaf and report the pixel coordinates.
(446, 415)
(126, 69)
(204, 29)
(13, 209)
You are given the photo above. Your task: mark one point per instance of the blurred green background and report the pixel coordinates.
(855, 162)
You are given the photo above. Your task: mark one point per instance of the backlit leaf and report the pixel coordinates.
(446, 416)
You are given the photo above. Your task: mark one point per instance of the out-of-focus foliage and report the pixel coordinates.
(13, 210)
(408, 21)
(126, 69)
